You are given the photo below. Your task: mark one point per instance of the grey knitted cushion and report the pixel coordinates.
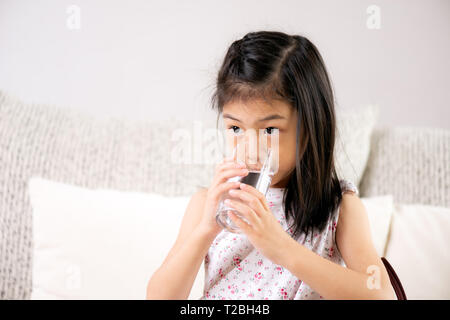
(72, 147)
(411, 163)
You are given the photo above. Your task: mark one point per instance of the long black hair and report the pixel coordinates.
(275, 65)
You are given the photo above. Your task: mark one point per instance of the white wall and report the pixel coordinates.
(156, 59)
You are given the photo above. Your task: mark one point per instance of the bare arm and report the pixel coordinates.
(174, 279)
(176, 275)
(354, 242)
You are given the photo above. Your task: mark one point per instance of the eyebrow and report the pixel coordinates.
(271, 117)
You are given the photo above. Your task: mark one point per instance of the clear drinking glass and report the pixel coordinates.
(259, 176)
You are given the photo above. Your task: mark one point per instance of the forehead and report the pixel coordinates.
(255, 109)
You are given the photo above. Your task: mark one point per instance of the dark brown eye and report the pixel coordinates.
(234, 128)
(271, 130)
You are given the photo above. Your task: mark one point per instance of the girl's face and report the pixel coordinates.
(239, 118)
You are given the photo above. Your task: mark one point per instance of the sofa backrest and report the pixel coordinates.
(410, 163)
(72, 147)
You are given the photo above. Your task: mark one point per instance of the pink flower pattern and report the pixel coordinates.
(234, 269)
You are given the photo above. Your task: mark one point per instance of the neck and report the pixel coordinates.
(282, 183)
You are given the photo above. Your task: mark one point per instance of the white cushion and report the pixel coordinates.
(417, 250)
(105, 244)
(100, 244)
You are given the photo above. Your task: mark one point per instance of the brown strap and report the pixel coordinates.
(395, 281)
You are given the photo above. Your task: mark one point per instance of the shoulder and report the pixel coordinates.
(350, 201)
(349, 215)
(353, 234)
(194, 208)
(354, 239)
(352, 219)
(201, 192)
(348, 186)
(351, 205)
(198, 198)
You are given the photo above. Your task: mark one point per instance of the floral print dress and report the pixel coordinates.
(235, 269)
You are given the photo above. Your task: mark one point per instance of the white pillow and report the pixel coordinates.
(353, 140)
(379, 210)
(105, 244)
(417, 250)
(100, 244)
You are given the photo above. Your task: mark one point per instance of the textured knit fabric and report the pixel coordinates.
(410, 163)
(235, 269)
(73, 147)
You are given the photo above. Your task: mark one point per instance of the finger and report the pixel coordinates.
(227, 159)
(224, 187)
(250, 189)
(245, 210)
(241, 224)
(228, 165)
(225, 166)
(230, 173)
(223, 174)
(252, 201)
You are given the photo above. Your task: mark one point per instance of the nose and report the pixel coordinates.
(251, 145)
(252, 148)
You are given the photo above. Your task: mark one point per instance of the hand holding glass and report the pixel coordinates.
(259, 177)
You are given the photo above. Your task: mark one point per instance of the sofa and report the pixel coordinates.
(409, 164)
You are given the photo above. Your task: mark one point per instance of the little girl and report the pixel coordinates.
(293, 246)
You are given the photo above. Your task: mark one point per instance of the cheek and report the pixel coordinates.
(286, 159)
(286, 153)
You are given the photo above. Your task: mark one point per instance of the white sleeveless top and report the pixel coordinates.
(235, 269)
